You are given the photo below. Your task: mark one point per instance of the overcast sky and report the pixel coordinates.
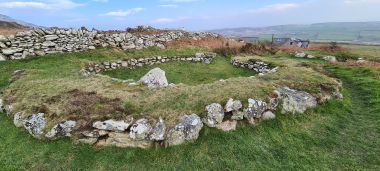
(190, 14)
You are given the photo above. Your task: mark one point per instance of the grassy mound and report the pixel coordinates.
(57, 75)
(187, 72)
(340, 135)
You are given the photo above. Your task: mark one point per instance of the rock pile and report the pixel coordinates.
(92, 69)
(258, 66)
(39, 42)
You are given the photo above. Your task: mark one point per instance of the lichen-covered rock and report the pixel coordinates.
(295, 101)
(140, 130)
(2, 57)
(18, 120)
(2, 107)
(158, 132)
(227, 126)
(155, 78)
(186, 130)
(61, 130)
(35, 124)
(255, 109)
(123, 140)
(268, 115)
(238, 115)
(112, 125)
(233, 105)
(215, 115)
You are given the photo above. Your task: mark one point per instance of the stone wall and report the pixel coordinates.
(258, 66)
(92, 69)
(39, 42)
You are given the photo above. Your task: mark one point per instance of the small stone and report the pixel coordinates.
(140, 130)
(35, 124)
(186, 130)
(255, 109)
(112, 125)
(158, 132)
(215, 115)
(233, 105)
(61, 130)
(18, 120)
(268, 115)
(330, 59)
(227, 126)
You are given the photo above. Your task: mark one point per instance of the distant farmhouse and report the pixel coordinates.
(291, 42)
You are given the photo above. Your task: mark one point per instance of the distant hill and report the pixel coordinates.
(4, 18)
(336, 31)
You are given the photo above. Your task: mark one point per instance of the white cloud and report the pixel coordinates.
(275, 8)
(100, 0)
(164, 20)
(123, 13)
(47, 4)
(361, 1)
(168, 6)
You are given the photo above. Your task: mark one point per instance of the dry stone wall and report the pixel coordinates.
(39, 42)
(92, 69)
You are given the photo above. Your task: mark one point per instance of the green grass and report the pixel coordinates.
(187, 72)
(339, 135)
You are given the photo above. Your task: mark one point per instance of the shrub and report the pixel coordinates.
(227, 51)
(344, 56)
(332, 47)
(259, 48)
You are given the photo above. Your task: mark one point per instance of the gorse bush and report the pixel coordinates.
(227, 51)
(258, 48)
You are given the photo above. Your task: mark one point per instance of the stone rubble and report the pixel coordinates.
(258, 66)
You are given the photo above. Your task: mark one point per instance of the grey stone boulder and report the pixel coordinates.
(186, 130)
(51, 37)
(227, 126)
(2, 107)
(140, 130)
(35, 124)
(300, 54)
(61, 130)
(255, 109)
(215, 115)
(123, 140)
(295, 101)
(268, 115)
(11, 51)
(155, 78)
(18, 119)
(158, 132)
(233, 105)
(330, 58)
(2, 57)
(112, 125)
